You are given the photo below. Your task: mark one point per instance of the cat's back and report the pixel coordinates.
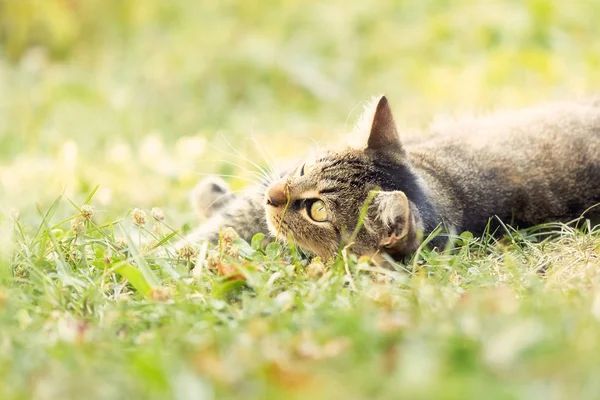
(541, 161)
(524, 135)
(551, 121)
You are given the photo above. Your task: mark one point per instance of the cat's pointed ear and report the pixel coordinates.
(383, 134)
(398, 222)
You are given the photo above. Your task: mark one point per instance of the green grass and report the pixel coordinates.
(123, 105)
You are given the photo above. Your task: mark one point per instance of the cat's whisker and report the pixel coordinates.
(240, 156)
(316, 149)
(362, 104)
(223, 176)
(259, 178)
(268, 158)
(313, 140)
(260, 168)
(271, 165)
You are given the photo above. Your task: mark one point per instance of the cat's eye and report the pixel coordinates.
(302, 169)
(317, 211)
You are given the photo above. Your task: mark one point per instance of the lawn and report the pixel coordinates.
(111, 111)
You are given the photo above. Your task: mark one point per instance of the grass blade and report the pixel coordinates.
(134, 276)
(88, 200)
(141, 262)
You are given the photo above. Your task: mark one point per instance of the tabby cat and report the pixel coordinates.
(522, 167)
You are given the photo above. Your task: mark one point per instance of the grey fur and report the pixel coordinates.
(525, 167)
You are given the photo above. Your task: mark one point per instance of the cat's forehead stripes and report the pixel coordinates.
(331, 173)
(347, 171)
(341, 160)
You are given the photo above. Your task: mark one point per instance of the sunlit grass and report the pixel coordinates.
(110, 109)
(490, 318)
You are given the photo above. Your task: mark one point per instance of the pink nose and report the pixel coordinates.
(276, 195)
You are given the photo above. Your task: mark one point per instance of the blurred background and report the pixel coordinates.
(145, 97)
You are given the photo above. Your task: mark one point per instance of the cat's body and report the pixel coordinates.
(524, 167)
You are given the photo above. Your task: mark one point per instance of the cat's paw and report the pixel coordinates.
(400, 223)
(210, 196)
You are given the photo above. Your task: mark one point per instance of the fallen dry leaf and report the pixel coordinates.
(390, 322)
(287, 376)
(160, 294)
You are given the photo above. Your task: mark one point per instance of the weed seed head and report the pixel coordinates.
(316, 268)
(139, 217)
(212, 262)
(77, 225)
(120, 241)
(229, 236)
(87, 212)
(187, 252)
(157, 214)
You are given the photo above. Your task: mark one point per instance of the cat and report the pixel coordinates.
(522, 167)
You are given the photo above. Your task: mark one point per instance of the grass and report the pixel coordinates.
(111, 108)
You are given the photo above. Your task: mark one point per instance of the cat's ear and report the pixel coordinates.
(398, 222)
(384, 133)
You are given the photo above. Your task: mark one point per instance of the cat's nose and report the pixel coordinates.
(276, 195)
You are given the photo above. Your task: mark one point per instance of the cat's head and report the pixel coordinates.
(319, 204)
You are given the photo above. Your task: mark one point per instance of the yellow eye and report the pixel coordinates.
(317, 211)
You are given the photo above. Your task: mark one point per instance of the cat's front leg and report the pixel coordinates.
(399, 225)
(405, 239)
